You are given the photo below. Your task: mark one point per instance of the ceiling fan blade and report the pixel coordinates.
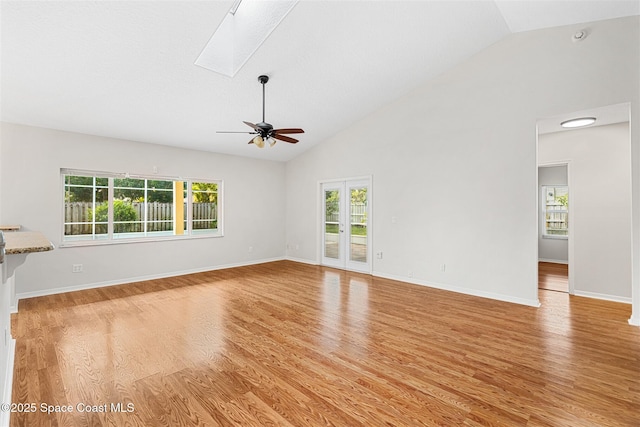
(284, 138)
(233, 131)
(288, 130)
(252, 125)
(250, 142)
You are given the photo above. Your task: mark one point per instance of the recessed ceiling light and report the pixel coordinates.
(579, 122)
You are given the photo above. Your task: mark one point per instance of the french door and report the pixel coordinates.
(346, 238)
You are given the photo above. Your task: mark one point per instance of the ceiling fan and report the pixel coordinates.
(265, 131)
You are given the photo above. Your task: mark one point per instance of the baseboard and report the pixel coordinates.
(634, 321)
(605, 297)
(554, 261)
(301, 260)
(7, 387)
(53, 291)
(461, 290)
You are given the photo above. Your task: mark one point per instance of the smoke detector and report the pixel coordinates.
(579, 35)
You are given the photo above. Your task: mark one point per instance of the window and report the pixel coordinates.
(86, 206)
(555, 211)
(104, 207)
(204, 215)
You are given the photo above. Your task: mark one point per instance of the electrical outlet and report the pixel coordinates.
(443, 267)
(76, 268)
(250, 248)
(379, 255)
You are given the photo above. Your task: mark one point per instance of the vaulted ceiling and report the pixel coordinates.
(126, 69)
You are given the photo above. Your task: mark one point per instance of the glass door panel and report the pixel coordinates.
(332, 223)
(358, 224)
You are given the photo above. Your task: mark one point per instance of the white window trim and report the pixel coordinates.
(555, 237)
(111, 193)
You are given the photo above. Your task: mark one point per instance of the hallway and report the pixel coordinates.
(553, 277)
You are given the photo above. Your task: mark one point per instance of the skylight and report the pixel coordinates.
(241, 33)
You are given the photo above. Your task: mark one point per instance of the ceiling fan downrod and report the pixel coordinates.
(263, 80)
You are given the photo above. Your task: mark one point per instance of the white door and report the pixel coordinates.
(345, 225)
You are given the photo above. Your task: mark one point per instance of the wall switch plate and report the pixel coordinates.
(76, 268)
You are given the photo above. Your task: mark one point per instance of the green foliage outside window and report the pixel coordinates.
(204, 192)
(122, 211)
(563, 200)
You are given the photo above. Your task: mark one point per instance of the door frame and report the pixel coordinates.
(320, 223)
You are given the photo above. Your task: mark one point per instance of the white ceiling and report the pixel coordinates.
(126, 69)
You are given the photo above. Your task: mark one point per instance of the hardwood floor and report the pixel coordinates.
(553, 277)
(290, 344)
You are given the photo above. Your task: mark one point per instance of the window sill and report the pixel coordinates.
(553, 237)
(97, 242)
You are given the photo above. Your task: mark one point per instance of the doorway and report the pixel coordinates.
(598, 158)
(556, 216)
(346, 236)
(553, 276)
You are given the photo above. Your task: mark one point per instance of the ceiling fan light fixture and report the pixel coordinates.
(258, 141)
(578, 122)
(271, 141)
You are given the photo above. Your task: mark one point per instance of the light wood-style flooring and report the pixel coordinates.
(553, 276)
(288, 344)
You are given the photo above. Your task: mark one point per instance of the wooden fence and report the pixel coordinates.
(78, 218)
(358, 214)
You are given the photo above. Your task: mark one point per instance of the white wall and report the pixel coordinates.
(455, 159)
(1, 139)
(600, 198)
(553, 250)
(254, 200)
(6, 342)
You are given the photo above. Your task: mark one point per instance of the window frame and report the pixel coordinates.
(543, 204)
(109, 238)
